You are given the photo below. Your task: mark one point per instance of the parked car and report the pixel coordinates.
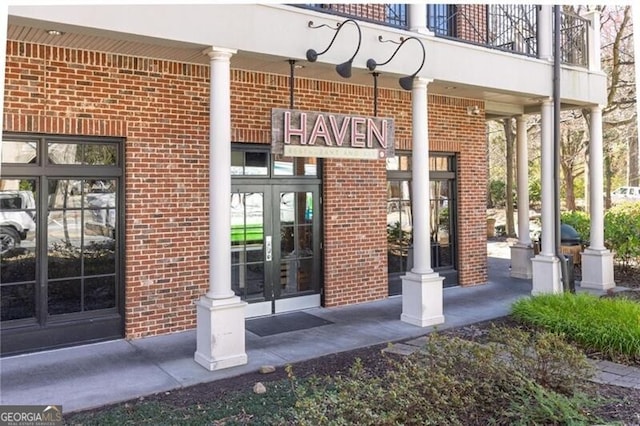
(625, 193)
(17, 218)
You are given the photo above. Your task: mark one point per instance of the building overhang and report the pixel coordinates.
(268, 36)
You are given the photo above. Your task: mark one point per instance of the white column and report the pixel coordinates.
(422, 298)
(546, 266)
(545, 32)
(522, 251)
(597, 261)
(220, 340)
(418, 18)
(593, 39)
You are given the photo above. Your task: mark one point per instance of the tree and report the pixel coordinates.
(510, 138)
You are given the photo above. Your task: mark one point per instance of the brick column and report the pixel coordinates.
(220, 313)
(422, 297)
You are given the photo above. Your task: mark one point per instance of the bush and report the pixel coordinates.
(454, 382)
(622, 232)
(497, 194)
(580, 221)
(607, 325)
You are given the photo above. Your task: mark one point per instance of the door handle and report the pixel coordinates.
(268, 246)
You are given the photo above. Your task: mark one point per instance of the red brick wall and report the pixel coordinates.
(471, 22)
(451, 129)
(162, 109)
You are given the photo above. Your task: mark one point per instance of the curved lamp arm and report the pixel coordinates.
(405, 82)
(344, 69)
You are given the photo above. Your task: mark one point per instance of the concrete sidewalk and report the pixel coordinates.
(94, 375)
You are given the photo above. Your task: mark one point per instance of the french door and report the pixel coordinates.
(275, 246)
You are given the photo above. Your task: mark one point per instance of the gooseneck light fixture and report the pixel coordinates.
(343, 69)
(405, 82)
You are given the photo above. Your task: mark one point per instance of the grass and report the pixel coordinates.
(607, 325)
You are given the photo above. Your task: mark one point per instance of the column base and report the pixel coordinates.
(547, 277)
(521, 256)
(422, 299)
(220, 335)
(597, 269)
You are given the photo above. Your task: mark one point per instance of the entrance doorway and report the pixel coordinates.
(275, 246)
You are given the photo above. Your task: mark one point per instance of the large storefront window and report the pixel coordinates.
(442, 214)
(62, 242)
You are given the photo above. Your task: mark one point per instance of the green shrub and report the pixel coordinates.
(535, 191)
(580, 221)
(450, 381)
(622, 232)
(497, 194)
(608, 325)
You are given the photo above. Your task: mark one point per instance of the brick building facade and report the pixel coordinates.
(156, 112)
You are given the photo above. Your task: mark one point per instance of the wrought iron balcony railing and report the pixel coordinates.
(511, 27)
(573, 40)
(505, 27)
(394, 15)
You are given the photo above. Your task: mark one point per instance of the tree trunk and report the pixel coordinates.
(510, 138)
(607, 181)
(634, 179)
(570, 196)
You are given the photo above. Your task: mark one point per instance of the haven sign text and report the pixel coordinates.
(325, 135)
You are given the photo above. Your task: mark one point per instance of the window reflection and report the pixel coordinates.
(294, 166)
(19, 152)
(18, 301)
(17, 233)
(249, 163)
(82, 153)
(247, 244)
(81, 244)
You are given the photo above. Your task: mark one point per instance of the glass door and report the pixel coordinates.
(275, 247)
(252, 246)
(296, 247)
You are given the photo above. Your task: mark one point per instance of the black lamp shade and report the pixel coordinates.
(407, 82)
(344, 69)
(312, 55)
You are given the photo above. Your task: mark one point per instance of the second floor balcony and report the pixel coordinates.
(512, 28)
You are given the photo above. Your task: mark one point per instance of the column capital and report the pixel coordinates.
(219, 53)
(597, 108)
(520, 118)
(421, 82)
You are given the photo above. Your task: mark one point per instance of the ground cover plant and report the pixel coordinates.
(517, 379)
(608, 326)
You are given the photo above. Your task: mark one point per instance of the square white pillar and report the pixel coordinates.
(546, 275)
(422, 299)
(597, 269)
(521, 256)
(220, 336)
